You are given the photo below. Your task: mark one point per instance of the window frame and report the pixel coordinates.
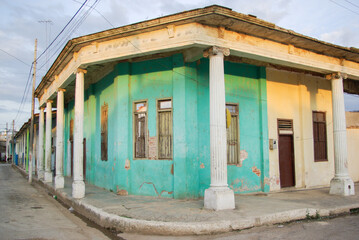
(134, 113)
(238, 161)
(103, 106)
(326, 135)
(158, 111)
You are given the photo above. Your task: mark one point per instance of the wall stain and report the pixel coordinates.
(172, 169)
(256, 171)
(121, 192)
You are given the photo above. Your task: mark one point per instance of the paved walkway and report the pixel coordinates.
(165, 216)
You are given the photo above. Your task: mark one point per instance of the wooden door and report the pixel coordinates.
(286, 161)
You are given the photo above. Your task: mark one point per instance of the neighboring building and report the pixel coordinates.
(3, 146)
(22, 138)
(141, 108)
(352, 119)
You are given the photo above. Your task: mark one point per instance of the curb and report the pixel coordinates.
(130, 225)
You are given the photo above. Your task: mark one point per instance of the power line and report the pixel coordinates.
(99, 14)
(344, 7)
(14, 57)
(62, 30)
(352, 3)
(23, 96)
(73, 28)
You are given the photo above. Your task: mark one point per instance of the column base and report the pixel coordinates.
(78, 189)
(59, 182)
(219, 198)
(342, 186)
(48, 176)
(40, 174)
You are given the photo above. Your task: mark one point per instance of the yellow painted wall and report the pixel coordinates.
(294, 96)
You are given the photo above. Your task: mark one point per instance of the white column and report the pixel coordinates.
(48, 146)
(78, 185)
(218, 196)
(40, 159)
(341, 184)
(59, 178)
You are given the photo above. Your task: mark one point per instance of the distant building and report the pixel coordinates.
(141, 109)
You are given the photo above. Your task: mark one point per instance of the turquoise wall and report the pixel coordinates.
(188, 174)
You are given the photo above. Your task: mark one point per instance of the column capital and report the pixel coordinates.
(61, 90)
(49, 101)
(337, 75)
(215, 50)
(42, 108)
(81, 70)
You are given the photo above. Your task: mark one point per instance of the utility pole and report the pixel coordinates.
(13, 142)
(32, 155)
(6, 151)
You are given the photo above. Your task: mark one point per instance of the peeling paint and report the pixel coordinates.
(202, 165)
(243, 155)
(256, 171)
(272, 181)
(244, 186)
(172, 169)
(154, 187)
(127, 164)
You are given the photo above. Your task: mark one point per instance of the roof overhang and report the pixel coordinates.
(245, 35)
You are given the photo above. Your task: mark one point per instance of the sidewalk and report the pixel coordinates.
(163, 216)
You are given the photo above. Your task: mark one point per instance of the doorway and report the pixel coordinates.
(286, 153)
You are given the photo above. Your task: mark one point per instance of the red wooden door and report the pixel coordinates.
(286, 161)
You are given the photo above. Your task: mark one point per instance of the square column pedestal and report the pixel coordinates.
(219, 198)
(342, 186)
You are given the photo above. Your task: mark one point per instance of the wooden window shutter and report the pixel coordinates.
(320, 136)
(140, 129)
(165, 131)
(104, 131)
(233, 135)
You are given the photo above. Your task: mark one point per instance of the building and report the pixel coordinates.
(23, 149)
(207, 102)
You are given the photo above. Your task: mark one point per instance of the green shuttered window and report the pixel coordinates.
(233, 135)
(164, 126)
(140, 129)
(104, 131)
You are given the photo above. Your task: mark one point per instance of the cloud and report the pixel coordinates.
(344, 36)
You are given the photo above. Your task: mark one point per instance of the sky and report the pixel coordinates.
(23, 21)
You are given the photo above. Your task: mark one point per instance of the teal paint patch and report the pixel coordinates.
(204, 158)
(246, 86)
(187, 175)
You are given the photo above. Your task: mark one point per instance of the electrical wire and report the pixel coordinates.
(62, 30)
(25, 92)
(344, 7)
(99, 14)
(352, 3)
(72, 29)
(14, 57)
